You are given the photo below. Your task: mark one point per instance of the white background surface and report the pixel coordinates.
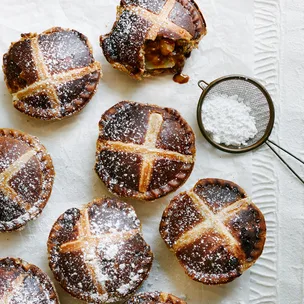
(262, 38)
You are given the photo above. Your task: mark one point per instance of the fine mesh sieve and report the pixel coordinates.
(253, 95)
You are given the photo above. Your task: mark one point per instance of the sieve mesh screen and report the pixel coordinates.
(252, 96)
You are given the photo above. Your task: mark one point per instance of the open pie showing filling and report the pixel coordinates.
(154, 37)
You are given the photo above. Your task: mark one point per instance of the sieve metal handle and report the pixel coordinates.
(268, 142)
(203, 84)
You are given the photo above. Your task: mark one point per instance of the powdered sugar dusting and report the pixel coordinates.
(113, 257)
(154, 6)
(65, 74)
(25, 182)
(223, 235)
(144, 151)
(64, 50)
(24, 283)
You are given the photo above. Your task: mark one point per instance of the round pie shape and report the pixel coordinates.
(155, 298)
(215, 231)
(153, 37)
(52, 75)
(98, 253)
(26, 179)
(144, 151)
(21, 282)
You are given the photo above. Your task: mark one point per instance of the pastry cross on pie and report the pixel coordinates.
(21, 282)
(215, 221)
(215, 231)
(15, 286)
(160, 20)
(148, 150)
(26, 178)
(47, 82)
(59, 79)
(89, 244)
(98, 253)
(9, 173)
(158, 149)
(152, 37)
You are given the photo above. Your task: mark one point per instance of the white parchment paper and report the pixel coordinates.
(228, 48)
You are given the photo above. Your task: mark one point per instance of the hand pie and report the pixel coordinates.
(52, 75)
(97, 253)
(22, 283)
(26, 179)
(144, 151)
(152, 37)
(215, 231)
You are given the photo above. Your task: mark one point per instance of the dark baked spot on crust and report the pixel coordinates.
(209, 260)
(154, 6)
(19, 67)
(119, 169)
(218, 194)
(180, 217)
(176, 135)
(124, 43)
(38, 101)
(64, 50)
(28, 181)
(249, 228)
(182, 18)
(126, 122)
(9, 209)
(66, 228)
(75, 95)
(72, 273)
(165, 171)
(132, 263)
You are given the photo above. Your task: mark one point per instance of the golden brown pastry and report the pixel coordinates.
(215, 231)
(22, 283)
(152, 37)
(144, 151)
(52, 75)
(98, 253)
(26, 179)
(155, 298)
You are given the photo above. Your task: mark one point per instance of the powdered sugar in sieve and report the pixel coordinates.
(228, 120)
(236, 115)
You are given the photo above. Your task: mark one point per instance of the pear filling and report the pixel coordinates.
(164, 53)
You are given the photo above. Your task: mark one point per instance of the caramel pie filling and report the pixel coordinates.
(166, 54)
